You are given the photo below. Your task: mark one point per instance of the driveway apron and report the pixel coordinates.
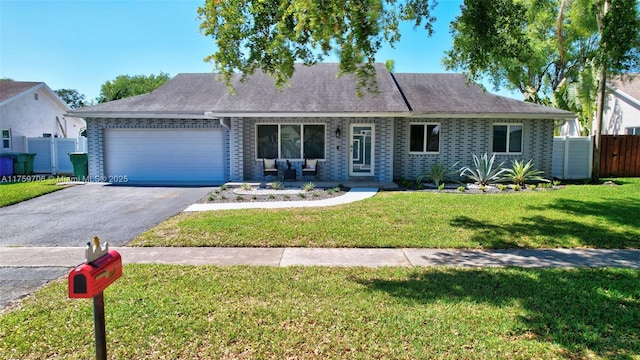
(72, 216)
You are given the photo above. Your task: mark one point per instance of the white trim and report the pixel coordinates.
(212, 114)
(2, 138)
(627, 97)
(33, 90)
(22, 93)
(519, 116)
(508, 125)
(373, 149)
(302, 125)
(425, 144)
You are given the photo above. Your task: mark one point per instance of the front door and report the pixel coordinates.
(362, 145)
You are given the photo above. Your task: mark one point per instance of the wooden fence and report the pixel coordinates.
(620, 156)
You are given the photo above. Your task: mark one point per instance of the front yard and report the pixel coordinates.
(240, 312)
(598, 216)
(207, 312)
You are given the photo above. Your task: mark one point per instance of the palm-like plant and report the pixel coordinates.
(438, 173)
(521, 173)
(483, 172)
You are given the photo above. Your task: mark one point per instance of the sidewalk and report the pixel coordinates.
(25, 257)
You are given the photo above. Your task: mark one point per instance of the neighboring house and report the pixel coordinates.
(192, 130)
(32, 109)
(622, 113)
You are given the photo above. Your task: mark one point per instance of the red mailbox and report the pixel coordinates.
(90, 279)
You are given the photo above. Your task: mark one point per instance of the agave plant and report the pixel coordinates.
(438, 173)
(483, 172)
(521, 173)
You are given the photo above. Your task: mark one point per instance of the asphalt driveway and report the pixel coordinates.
(72, 216)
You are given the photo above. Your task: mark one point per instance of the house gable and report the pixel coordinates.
(31, 109)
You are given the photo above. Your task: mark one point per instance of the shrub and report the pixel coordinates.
(308, 186)
(502, 187)
(245, 186)
(556, 182)
(483, 172)
(461, 188)
(441, 186)
(532, 187)
(277, 185)
(521, 173)
(438, 173)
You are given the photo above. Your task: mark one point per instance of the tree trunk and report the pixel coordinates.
(597, 127)
(602, 88)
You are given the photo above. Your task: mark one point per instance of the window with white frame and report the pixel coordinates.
(424, 137)
(507, 138)
(6, 139)
(290, 141)
(633, 131)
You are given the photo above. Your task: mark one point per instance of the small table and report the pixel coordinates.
(289, 174)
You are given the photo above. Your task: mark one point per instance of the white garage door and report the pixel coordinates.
(164, 155)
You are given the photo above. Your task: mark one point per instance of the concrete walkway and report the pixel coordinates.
(355, 194)
(26, 257)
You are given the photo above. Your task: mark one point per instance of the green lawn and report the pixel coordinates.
(187, 312)
(15, 192)
(599, 216)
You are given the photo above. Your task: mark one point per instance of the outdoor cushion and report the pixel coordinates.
(311, 164)
(269, 163)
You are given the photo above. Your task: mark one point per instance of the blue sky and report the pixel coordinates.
(80, 44)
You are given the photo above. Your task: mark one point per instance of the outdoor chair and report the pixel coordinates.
(269, 167)
(310, 168)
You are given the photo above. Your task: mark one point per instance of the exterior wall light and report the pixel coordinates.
(338, 132)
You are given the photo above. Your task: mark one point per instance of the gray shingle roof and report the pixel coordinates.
(316, 90)
(453, 94)
(313, 90)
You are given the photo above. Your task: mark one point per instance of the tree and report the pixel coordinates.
(520, 45)
(527, 45)
(72, 97)
(619, 31)
(125, 86)
(273, 35)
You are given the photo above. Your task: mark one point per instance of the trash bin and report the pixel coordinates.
(80, 163)
(6, 166)
(28, 164)
(19, 160)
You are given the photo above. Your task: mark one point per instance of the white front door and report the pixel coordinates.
(362, 145)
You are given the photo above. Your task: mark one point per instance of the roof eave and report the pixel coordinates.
(624, 95)
(220, 114)
(502, 115)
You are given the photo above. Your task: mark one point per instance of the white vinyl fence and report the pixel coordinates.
(52, 154)
(572, 157)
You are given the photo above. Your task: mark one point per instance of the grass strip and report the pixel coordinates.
(187, 312)
(15, 192)
(592, 216)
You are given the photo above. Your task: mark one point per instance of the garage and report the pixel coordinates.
(164, 156)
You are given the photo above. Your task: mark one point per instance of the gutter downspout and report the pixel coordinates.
(210, 115)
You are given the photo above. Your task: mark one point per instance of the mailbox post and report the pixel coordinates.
(88, 280)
